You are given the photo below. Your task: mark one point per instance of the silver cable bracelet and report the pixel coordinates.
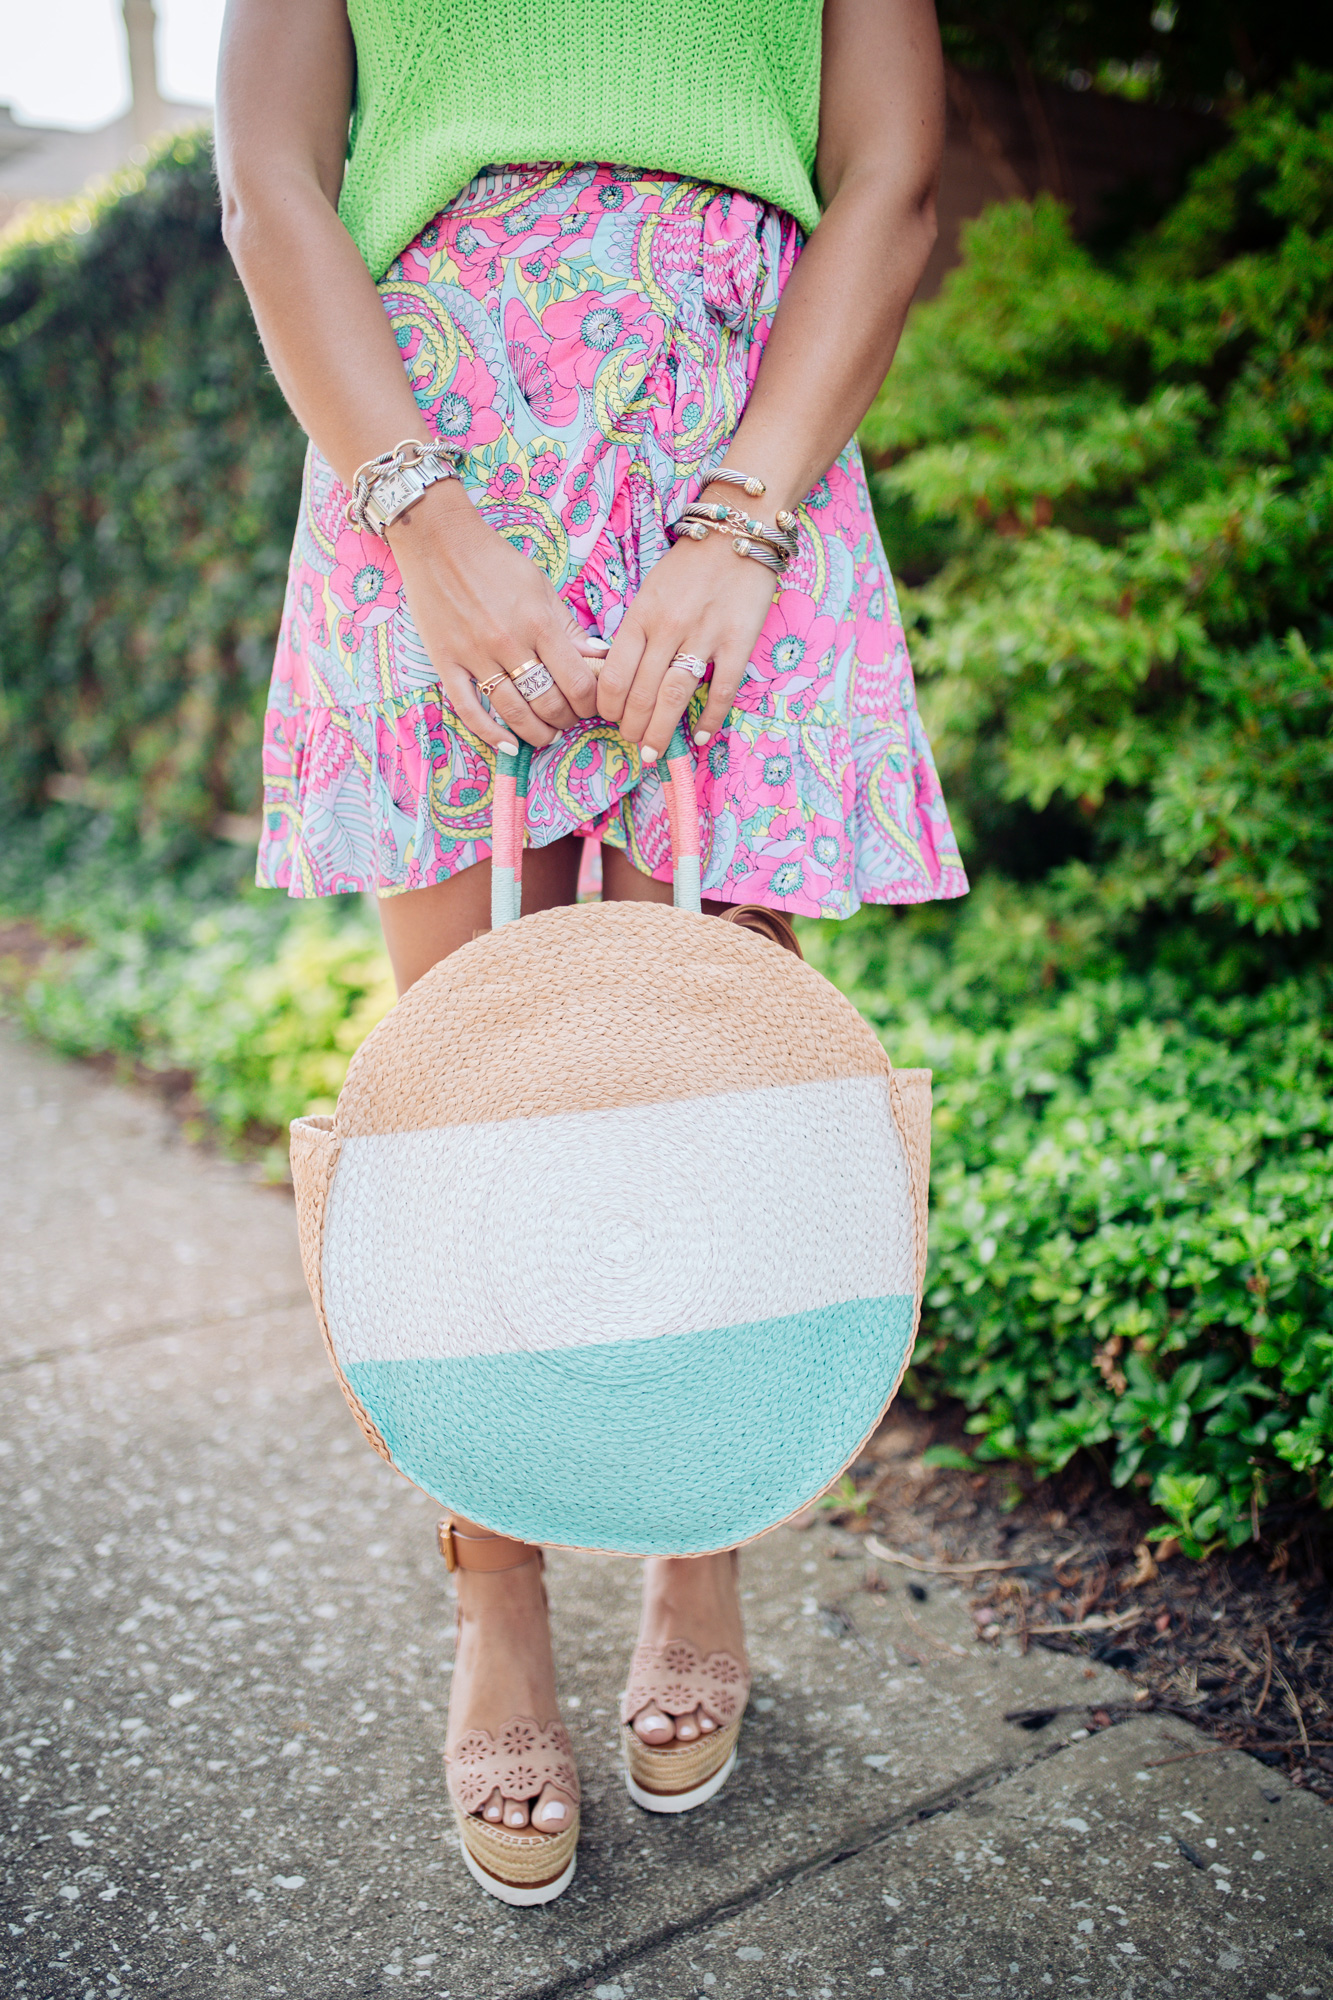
(385, 487)
(782, 539)
(754, 486)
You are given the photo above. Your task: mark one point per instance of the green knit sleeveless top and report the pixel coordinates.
(725, 91)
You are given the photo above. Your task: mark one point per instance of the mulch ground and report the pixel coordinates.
(1240, 1645)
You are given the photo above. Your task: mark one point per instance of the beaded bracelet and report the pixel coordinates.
(385, 487)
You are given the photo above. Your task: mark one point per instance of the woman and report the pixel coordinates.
(591, 343)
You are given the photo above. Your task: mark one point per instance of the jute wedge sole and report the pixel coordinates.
(520, 1869)
(676, 1780)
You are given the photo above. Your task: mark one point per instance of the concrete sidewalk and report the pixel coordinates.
(227, 1645)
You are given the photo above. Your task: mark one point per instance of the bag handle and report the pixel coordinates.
(509, 817)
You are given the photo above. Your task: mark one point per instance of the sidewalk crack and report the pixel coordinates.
(860, 1840)
(233, 1315)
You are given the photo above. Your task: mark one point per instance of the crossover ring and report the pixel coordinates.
(484, 687)
(692, 664)
(532, 679)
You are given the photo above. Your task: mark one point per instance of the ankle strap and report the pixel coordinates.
(483, 1552)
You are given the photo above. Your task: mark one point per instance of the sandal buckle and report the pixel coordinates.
(448, 1547)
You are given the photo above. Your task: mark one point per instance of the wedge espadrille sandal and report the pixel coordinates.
(680, 1776)
(519, 1865)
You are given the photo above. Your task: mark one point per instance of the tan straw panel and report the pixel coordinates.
(314, 1155)
(910, 1095)
(600, 1006)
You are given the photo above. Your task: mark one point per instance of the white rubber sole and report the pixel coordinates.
(678, 1802)
(510, 1892)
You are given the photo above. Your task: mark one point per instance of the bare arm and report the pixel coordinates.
(284, 96)
(835, 332)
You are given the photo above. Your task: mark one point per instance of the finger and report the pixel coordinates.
(618, 670)
(567, 666)
(728, 673)
(642, 698)
(673, 698)
(513, 710)
(466, 703)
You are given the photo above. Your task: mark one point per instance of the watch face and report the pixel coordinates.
(394, 494)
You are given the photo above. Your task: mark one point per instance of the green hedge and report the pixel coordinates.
(148, 482)
(1132, 1222)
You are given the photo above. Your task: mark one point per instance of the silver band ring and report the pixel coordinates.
(692, 664)
(532, 679)
(484, 687)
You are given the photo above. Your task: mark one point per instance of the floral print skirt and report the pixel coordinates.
(590, 334)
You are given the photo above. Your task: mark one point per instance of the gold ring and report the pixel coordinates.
(484, 687)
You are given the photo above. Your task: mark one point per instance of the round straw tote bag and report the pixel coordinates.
(616, 1237)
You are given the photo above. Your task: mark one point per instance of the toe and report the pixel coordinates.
(706, 1722)
(516, 1812)
(687, 1727)
(651, 1726)
(553, 1811)
(493, 1808)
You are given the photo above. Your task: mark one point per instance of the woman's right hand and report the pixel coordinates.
(482, 609)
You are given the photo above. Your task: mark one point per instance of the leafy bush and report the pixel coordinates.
(1112, 489)
(261, 999)
(148, 481)
(1115, 488)
(1132, 1228)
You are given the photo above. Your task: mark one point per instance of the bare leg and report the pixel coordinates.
(503, 1665)
(686, 1597)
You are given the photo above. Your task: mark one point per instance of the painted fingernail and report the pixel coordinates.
(591, 645)
(702, 736)
(647, 755)
(505, 744)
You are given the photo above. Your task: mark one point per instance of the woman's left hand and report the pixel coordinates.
(702, 598)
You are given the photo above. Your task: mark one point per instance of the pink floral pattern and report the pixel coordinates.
(590, 335)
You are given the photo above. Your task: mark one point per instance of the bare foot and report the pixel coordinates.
(696, 1598)
(502, 1669)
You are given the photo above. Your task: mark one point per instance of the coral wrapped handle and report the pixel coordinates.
(509, 824)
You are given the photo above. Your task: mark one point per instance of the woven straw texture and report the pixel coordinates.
(524, 1859)
(590, 1156)
(684, 1765)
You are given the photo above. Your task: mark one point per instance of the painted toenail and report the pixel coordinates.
(707, 1722)
(552, 1810)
